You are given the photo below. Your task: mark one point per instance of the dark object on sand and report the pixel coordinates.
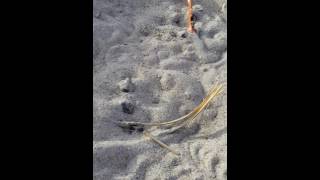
(127, 107)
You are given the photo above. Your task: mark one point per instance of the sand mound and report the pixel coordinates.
(147, 68)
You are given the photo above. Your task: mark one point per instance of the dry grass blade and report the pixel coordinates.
(146, 133)
(186, 120)
(214, 91)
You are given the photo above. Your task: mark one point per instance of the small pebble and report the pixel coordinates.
(127, 107)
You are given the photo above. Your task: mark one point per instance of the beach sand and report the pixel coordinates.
(148, 68)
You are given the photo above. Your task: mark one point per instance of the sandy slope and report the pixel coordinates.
(148, 69)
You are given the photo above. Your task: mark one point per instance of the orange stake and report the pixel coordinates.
(190, 25)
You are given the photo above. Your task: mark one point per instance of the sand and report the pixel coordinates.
(148, 68)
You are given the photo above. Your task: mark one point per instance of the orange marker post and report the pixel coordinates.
(190, 26)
